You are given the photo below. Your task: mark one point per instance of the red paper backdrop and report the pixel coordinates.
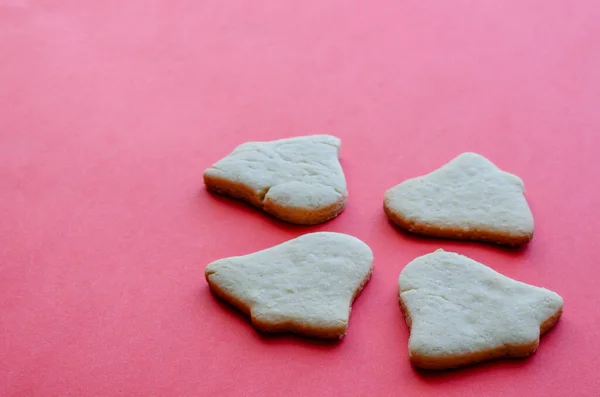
(110, 111)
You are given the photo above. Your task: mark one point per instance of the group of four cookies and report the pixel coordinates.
(459, 311)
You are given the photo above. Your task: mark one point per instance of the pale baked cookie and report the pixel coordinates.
(298, 180)
(468, 198)
(461, 312)
(305, 285)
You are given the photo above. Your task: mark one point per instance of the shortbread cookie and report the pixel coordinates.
(298, 180)
(461, 312)
(305, 285)
(468, 198)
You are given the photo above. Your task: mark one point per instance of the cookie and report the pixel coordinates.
(461, 312)
(468, 198)
(298, 180)
(305, 285)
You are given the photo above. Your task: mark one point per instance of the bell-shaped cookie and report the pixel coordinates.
(461, 312)
(298, 180)
(305, 285)
(468, 198)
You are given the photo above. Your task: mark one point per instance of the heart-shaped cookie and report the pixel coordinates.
(305, 285)
(468, 198)
(298, 180)
(461, 312)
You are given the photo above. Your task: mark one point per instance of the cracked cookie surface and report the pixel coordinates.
(461, 312)
(305, 285)
(298, 180)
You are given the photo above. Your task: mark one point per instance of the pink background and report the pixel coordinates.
(111, 110)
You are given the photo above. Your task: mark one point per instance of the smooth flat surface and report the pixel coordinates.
(111, 110)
